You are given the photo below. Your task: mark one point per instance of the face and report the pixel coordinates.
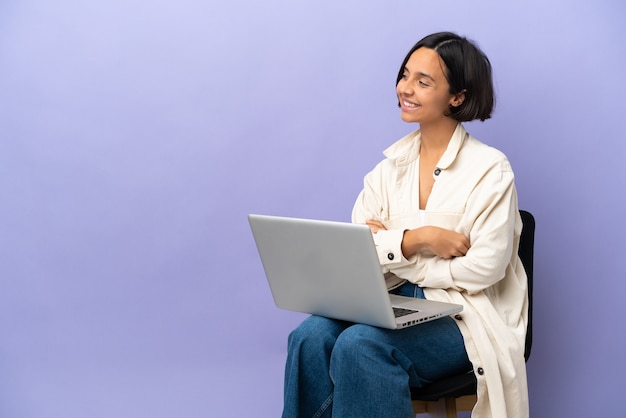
(423, 91)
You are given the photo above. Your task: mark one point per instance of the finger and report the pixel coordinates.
(375, 223)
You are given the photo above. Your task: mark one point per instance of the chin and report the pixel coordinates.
(408, 118)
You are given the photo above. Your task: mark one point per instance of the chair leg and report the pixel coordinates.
(450, 407)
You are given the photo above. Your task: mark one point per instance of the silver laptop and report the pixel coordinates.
(331, 269)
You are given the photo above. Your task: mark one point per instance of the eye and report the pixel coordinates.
(423, 83)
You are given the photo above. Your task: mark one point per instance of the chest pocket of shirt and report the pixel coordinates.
(409, 220)
(445, 220)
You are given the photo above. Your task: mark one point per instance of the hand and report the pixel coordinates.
(375, 225)
(441, 242)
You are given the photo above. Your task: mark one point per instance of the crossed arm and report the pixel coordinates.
(441, 242)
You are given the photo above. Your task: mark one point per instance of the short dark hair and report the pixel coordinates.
(467, 69)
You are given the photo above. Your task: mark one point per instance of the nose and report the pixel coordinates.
(404, 88)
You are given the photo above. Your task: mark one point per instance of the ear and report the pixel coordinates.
(458, 99)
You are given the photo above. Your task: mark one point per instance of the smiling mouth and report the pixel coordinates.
(409, 105)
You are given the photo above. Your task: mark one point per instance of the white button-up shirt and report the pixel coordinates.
(473, 194)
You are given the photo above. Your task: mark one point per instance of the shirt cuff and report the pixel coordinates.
(389, 247)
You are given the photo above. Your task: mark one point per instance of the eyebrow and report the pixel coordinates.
(430, 77)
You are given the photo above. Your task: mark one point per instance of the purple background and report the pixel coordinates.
(137, 135)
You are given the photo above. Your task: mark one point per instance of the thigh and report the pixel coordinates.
(433, 343)
(428, 351)
(319, 328)
(316, 336)
(435, 348)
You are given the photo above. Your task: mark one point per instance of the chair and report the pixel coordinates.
(445, 397)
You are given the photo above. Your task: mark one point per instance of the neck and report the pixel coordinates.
(435, 138)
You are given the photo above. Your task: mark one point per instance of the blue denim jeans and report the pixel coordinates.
(340, 369)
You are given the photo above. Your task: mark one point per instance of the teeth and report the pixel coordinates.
(407, 104)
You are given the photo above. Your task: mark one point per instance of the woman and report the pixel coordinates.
(442, 207)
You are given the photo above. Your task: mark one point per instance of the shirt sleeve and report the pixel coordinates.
(370, 204)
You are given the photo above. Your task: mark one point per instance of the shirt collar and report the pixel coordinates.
(406, 150)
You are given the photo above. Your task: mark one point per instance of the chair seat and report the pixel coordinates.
(450, 387)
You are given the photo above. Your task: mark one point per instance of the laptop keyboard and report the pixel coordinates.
(398, 312)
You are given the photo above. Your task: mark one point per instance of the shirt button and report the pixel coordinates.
(458, 317)
(480, 371)
(390, 256)
(437, 171)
